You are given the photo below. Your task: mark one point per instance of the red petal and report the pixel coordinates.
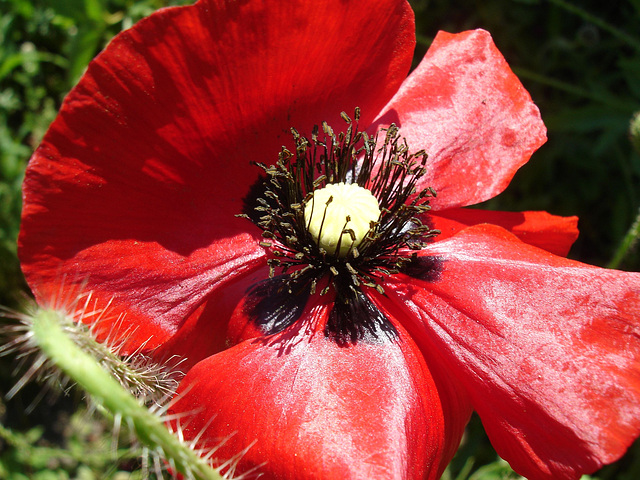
(299, 406)
(470, 113)
(553, 233)
(456, 406)
(547, 348)
(136, 184)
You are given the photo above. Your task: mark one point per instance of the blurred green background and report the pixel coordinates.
(580, 61)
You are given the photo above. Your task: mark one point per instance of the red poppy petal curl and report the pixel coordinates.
(550, 232)
(470, 113)
(456, 405)
(205, 332)
(134, 189)
(548, 348)
(299, 406)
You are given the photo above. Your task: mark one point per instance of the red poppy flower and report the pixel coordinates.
(362, 363)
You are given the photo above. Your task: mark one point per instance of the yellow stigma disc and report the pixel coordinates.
(341, 213)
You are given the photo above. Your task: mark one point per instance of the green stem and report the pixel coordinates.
(616, 32)
(572, 89)
(627, 243)
(82, 368)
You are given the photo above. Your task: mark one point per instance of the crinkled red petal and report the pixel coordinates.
(552, 233)
(547, 348)
(134, 189)
(469, 112)
(296, 405)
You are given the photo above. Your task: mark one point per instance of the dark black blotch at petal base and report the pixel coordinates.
(427, 268)
(271, 306)
(250, 200)
(354, 318)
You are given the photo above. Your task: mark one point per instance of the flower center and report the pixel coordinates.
(339, 216)
(341, 212)
(325, 214)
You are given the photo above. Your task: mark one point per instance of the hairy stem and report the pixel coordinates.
(627, 243)
(104, 389)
